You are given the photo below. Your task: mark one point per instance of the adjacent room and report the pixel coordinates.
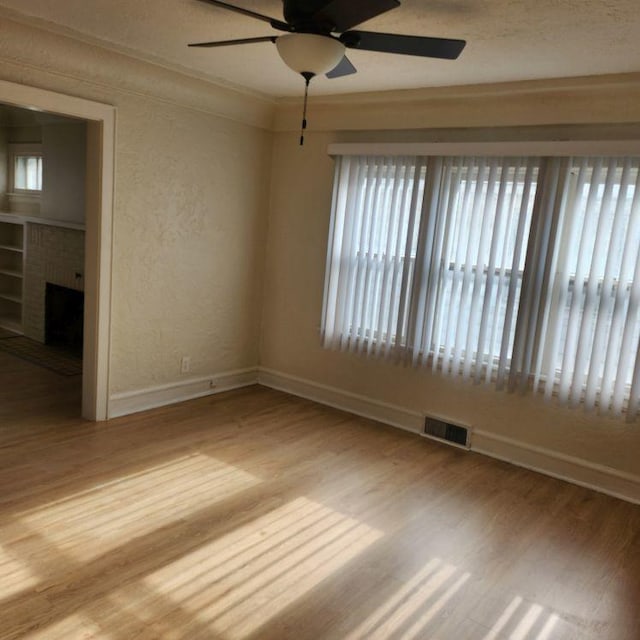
(319, 319)
(42, 248)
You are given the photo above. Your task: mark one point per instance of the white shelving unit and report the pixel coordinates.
(12, 249)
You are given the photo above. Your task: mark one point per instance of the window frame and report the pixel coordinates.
(369, 336)
(548, 149)
(30, 150)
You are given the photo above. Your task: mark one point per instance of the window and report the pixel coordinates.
(25, 169)
(373, 251)
(520, 270)
(472, 260)
(27, 173)
(468, 251)
(586, 335)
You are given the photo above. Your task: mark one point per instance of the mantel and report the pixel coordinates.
(19, 217)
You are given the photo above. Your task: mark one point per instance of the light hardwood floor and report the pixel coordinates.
(257, 515)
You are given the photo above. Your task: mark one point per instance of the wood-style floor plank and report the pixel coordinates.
(254, 515)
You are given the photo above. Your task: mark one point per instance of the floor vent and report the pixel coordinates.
(447, 431)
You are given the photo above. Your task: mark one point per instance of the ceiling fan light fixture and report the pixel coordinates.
(309, 52)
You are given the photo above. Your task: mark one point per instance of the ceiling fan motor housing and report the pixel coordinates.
(328, 25)
(302, 16)
(317, 33)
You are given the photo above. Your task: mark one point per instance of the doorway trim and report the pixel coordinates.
(101, 131)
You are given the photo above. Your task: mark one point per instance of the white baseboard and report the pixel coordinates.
(121, 404)
(333, 397)
(619, 484)
(571, 469)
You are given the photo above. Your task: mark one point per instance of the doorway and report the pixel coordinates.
(98, 210)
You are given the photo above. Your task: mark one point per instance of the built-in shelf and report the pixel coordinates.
(11, 324)
(50, 222)
(13, 274)
(12, 242)
(6, 247)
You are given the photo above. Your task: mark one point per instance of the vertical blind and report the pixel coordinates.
(372, 249)
(470, 262)
(584, 340)
(525, 271)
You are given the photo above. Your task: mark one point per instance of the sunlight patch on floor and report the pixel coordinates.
(74, 627)
(549, 626)
(523, 621)
(526, 622)
(237, 583)
(424, 617)
(103, 518)
(504, 619)
(15, 576)
(408, 612)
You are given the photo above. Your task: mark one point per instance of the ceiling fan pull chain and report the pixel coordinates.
(307, 78)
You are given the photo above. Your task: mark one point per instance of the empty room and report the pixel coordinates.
(319, 319)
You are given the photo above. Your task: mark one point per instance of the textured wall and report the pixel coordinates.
(190, 205)
(191, 213)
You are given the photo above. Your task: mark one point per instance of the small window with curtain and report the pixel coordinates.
(523, 271)
(25, 169)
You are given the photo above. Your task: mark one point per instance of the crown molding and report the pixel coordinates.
(104, 71)
(476, 90)
(587, 100)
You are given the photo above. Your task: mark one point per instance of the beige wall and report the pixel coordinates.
(296, 253)
(64, 152)
(191, 212)
(24, 134)
(192, 169)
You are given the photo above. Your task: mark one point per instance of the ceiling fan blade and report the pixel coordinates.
(224, 43)
(276, 24)
(446, 48)
(344, 14)
(344, 68)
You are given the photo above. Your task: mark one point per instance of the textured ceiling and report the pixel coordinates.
(507, 40)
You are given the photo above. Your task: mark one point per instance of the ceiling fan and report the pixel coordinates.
(318, 32)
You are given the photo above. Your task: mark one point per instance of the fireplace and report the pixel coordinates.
(64, 318)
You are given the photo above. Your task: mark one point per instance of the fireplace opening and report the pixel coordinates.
(64, 318)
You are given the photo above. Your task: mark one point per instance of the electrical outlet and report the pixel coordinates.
(185, 364)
